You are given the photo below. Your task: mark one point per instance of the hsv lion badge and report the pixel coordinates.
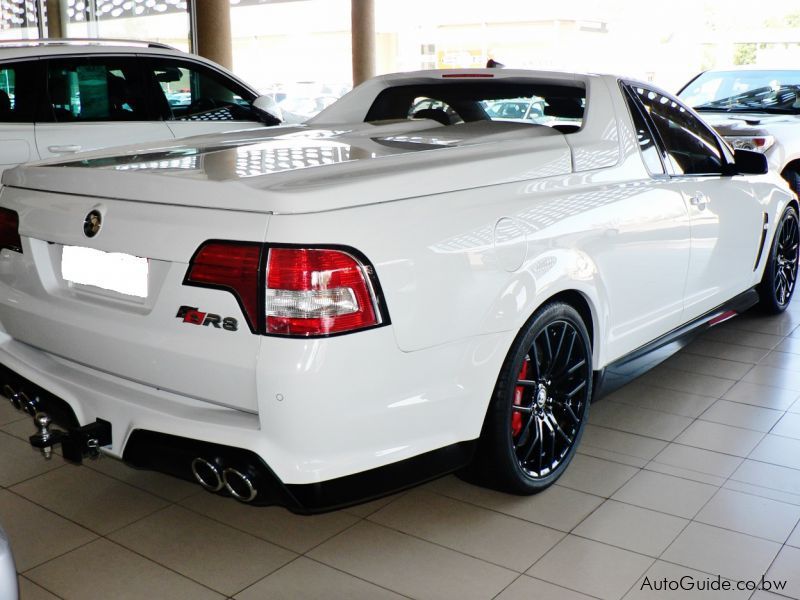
(92, 223)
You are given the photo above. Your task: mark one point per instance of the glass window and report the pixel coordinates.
(745, 91)
(18, 92)
(191, 92)
(644, 136)
(692, 149)
(96, 89)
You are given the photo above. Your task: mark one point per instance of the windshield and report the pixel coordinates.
(745, 91)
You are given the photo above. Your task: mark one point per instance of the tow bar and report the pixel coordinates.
(77, 443)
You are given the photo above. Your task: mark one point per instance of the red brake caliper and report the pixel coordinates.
(516, 416)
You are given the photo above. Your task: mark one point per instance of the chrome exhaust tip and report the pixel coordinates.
(207, 474)
(239, 485)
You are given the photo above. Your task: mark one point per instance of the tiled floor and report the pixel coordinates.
(694, 469)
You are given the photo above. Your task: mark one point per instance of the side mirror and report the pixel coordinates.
(267, 104)
(748, 162)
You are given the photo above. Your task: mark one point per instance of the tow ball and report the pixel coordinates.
(77, 443)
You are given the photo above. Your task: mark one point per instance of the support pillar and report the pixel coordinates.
(213, 29)
(57, 19)
(362, 13)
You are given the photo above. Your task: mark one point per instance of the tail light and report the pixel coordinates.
(289, 291)
(9, 230)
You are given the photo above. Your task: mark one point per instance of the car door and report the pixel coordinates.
(193, 98)
(727, 220)
(20, 89)
(95, 102)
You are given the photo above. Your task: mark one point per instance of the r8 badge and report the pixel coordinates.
(190, 314)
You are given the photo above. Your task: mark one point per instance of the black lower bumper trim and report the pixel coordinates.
(59, 410)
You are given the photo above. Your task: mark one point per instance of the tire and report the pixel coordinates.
(531, 430)
(780, 274)
(793, 179)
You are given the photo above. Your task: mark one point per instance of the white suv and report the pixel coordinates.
(65, 96)
(754, 109)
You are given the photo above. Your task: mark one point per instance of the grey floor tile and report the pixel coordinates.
(745, 354)
(778, 450)
(306, 579)
(631, 527)
(30, 591)
(708, 365)
(103, 570)
(169, 488)
(667, 494)
(754, 490)
(761, 395)
(788, 426)
(367, 508)
(782, 360)
(753, 515)
(641, 395)
(640, 421)
(722, 552)
(686, 583)
(102, 505)
(486, 534)
(530, 588)
(692, 383)
(690, 458)
(220, 557)
(727, 335)
(768, 476)
(21, 461)
(275, 524)
(9, 414)
(557, 507)
(591, 567)
(780, 378)
(720, 438)
(741, 415)
(621, 443)
(787, 568)
(783, 324)
(595, 475)
(411, 566)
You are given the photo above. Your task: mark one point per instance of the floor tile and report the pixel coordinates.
(683, 473)
(529, 588)
(780, 378)
(745, 354)
(707, 365)
(36, 534)
(169, 488)
(755, 490)
(411, 566)
(9, 414)
(367, 508)
(720, 438)
(557, 507)
(656, 398)
(697, 459)
(761, 595)
(30, 591)
(103, 570)
(663, 493)
(640, 421)
(789, 344)
(782, 324)
(103, 504)
(591, 567)
(787, 568)
(741, 415)
(21, 461)
(778, 450)
(621, 443)
(275, 524)
(727, 335)
(788, 426)
(220, 557)
(631, 527)
(692, 383)
(721, 552)
(768, 476)
(652, 586)
(761, 395)
(794, 539)
(305, 578)
(596, 476)
(479, 532)
(753, 515)
(782, 360)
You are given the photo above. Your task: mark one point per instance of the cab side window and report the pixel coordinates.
(95, 89)
(692, 149)
(190, 92)
(18, 92)
(644, 136)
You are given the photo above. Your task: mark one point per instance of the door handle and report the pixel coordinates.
(66, 149)
(699, 200)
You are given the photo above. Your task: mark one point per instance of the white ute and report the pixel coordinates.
(312, 316)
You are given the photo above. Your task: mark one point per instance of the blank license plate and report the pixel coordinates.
(112, 271)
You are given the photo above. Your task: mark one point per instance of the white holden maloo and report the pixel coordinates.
(415, 282)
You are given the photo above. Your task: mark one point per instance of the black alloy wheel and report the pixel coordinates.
(780, 274)
(540, 404)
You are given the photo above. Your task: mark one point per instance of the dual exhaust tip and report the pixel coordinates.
(213, 477)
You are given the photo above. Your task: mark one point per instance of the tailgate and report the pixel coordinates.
(135, 332)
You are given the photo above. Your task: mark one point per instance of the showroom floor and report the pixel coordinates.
(694, 469)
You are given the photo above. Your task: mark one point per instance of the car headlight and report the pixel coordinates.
(757, 143)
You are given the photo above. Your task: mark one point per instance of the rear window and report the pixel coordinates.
(452, 103)
(18, 92)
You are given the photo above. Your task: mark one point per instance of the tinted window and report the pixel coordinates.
(96, 89)
(644, 136)
(745, 91)
(190, 92)
(18, 93)
(692, 149)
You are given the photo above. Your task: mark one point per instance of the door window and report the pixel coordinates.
(95, 89)
(692, 148)
(645, 138)
(18, 83)
(192, 92)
